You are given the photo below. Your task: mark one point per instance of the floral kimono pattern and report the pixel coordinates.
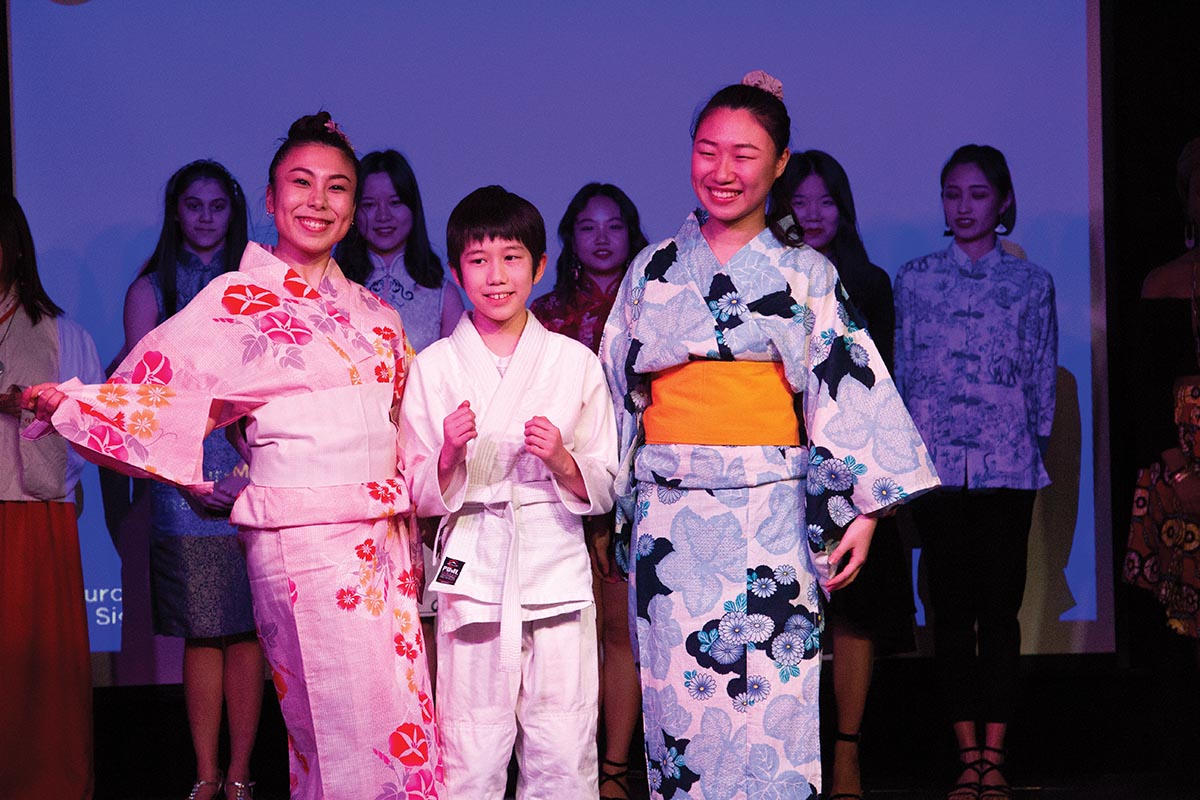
(728, 545)
(311, 378)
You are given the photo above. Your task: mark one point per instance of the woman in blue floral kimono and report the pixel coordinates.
(759, 432)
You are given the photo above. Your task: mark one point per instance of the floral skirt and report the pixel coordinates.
(727, 597)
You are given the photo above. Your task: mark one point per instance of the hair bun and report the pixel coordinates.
(765, 81)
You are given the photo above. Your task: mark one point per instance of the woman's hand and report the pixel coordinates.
(43, 400)
(855, 544)
(220, 501)
(597, 532)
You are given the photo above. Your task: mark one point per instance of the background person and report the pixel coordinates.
(976, 358)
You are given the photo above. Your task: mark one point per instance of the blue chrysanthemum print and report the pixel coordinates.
(733, 628)
(788, 648)
(759, 627)
(833, 474)
(785, 574)
(742, 702)
(859, 355)
(816, 536)
(726, 652)
(645, 544)
(671, 763)
(886, 491)
(700, 685)
(757, 688)
(803, 315)
(726, 306)
(762, 587)
(841, 511)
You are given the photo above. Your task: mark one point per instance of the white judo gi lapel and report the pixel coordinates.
(498, 418)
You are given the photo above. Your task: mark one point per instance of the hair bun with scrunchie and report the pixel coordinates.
(765, 81)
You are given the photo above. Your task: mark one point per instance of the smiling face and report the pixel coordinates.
(203, 211)
(312, 198)
(817, 213)
(601, 238)
(498, 276)
(973, 207)
(734, 164)
(383, 219)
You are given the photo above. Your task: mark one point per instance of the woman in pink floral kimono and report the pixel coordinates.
(308, 368)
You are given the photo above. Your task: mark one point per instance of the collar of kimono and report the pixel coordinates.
(501, 397)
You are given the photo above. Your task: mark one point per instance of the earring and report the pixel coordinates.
(1189, 235)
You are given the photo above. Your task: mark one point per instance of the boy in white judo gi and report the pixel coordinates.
(508, 435)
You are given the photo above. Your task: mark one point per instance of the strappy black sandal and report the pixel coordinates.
(966, 789)
(990, 765)
(853, 738)
(619, 778)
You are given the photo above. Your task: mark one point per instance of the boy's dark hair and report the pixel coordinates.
(492, 212)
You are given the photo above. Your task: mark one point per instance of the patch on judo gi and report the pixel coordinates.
(451, 569)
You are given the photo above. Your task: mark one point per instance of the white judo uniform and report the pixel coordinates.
(516, 621)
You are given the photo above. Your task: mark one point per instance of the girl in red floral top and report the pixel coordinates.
(600, 234)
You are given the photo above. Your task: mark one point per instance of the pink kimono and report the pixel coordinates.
(312, 378)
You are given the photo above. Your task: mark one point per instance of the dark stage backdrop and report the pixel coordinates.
(110, 98)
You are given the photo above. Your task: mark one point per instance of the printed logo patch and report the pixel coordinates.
(451, 569)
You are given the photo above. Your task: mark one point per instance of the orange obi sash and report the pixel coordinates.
(722, 403)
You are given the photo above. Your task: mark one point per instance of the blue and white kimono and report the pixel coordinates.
(730, 543)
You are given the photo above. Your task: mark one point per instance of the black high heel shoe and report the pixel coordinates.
(988, 766)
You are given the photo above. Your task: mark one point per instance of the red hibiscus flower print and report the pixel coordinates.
(407, 583)
(153, 368)
(247, 299)
(281, 687)
(281, 327)
(348, 598)
(410, 745)
(382, 492)
(292, 593)
(382, 373)
(385, 333)
(298, 287)
(366, 550)
(106, 441)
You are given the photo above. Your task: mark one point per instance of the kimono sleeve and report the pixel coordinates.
(865, 452)
(150, 419)
(627, 389)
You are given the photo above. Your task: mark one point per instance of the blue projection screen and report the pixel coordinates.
(542, 97)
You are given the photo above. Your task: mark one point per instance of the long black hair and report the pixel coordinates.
(421, 263)
(772, 114)
(18, 265)
(848, 252)
(569, 272)
(165, 258)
